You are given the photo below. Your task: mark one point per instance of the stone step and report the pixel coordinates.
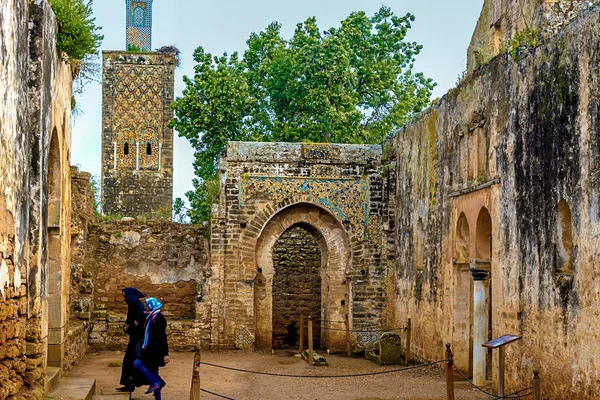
(112, 396)
(53, 375)
(74, 389)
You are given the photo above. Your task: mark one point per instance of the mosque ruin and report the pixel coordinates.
(479, 218)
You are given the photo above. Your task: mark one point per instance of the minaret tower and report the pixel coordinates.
(137, 144)
(139, 24)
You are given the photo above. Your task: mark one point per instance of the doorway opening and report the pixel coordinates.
(296, 285)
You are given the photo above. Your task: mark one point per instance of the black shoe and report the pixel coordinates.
(125, 389)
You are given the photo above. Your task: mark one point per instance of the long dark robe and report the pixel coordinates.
(154, 354)
(135, 313)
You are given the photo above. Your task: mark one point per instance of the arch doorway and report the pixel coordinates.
(296, 284)
(322, 290)
(463, 297)
(483, 251)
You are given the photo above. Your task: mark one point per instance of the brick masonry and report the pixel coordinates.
(268, 187)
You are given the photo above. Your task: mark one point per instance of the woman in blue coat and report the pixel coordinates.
(154, 352)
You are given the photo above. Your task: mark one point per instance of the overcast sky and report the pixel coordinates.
(443, 27)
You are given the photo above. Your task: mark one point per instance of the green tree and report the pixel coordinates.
(350, 84)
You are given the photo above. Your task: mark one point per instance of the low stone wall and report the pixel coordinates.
(76, 344)
(183, 335)
(162, 259)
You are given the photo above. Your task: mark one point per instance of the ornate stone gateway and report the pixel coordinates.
(268, 189)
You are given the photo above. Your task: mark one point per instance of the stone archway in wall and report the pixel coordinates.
(463, 296)
(334, 246)
(472, 269)
(54, 276)
(297, 265)
(483, 261)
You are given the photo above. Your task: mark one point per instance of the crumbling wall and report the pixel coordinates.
(162, 259)
(518, 141)
(504, 22)
(83, 215)
(35, 86)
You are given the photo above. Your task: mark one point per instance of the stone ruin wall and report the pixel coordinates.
(522, 140)
(501, 21)
(36, 87)
(269, 187)
(163, 260)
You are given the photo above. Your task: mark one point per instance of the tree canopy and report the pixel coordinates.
(350, 84)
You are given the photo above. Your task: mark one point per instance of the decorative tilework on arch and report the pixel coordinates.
(348, 199)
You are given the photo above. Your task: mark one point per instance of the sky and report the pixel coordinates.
(443, 27)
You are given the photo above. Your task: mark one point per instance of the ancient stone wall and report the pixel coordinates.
(500, 176)
(83, 215)
(503, 23)
(137, 144)
(35, 86)
(161, 259)
(269, 187)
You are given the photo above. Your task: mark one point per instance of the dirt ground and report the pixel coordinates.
(426, 383)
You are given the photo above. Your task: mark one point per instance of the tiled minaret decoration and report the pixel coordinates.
(139, 24)
(137, 144)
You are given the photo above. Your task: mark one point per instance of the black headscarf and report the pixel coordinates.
(135, 312)
(132, 295)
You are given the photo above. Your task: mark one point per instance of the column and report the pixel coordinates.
(480, 325)
(137, 156)
(114, 155)
(159, 154)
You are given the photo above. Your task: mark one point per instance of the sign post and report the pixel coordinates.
(499, 343)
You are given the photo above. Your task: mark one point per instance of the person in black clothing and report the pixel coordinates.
(134, 327)
(154, 352)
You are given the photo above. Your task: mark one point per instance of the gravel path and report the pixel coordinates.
(425, 383)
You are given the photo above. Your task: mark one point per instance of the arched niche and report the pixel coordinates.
(53, 272)
(484, 251)
(564, 247)
(335, 263)
(483, 235)
(462, 240)
(462, 335)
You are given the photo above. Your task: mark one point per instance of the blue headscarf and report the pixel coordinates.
(154, 306)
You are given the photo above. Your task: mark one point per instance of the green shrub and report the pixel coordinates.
(77, 34)
(132, 48)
